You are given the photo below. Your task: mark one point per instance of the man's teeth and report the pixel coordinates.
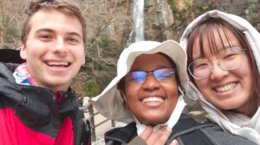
(52, 63)
(226, 88)
(152, 99)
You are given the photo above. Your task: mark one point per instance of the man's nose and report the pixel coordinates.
(59, 47)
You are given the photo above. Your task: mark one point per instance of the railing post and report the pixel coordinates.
(93, 132)
(113, 123)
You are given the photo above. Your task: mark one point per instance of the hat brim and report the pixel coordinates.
(109, 103)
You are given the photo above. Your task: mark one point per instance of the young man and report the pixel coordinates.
(37, 106)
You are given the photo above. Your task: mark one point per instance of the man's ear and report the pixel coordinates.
(23, 53)
(83, 61)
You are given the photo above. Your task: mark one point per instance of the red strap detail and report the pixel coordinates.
(65, 136)
(58, 96)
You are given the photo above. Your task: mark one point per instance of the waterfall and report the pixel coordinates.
(138, 14)
(137, 34)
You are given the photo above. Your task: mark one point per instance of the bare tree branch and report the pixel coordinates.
(103, 58)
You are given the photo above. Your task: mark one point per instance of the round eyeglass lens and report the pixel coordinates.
(199, 69)
(231, 58)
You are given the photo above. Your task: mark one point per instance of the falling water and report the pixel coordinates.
(138, 19)
(137, 33)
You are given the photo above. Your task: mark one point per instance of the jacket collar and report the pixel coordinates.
(122, 135)
(17, 93)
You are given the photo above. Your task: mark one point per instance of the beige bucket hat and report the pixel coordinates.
(110, 104)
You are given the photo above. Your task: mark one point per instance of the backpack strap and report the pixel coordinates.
(119, 136)
(88, 126)
(189, 131)
(83, 132)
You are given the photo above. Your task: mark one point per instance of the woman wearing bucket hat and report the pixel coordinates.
(223, 62)
(148, 92)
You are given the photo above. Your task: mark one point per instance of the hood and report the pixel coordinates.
(250, 129)
(110, 104)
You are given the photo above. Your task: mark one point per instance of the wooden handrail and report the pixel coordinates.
(89, 109)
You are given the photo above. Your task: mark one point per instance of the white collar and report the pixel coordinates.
(249, 130)
(172, 120)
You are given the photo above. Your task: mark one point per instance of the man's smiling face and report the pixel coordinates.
(54, 50)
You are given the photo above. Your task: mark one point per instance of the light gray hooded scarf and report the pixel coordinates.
(230, 122)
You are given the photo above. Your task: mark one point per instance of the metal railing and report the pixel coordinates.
(89, 109)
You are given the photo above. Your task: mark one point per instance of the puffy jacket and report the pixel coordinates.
(187, 132)
(32, 115)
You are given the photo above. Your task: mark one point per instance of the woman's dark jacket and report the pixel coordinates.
(187, 132)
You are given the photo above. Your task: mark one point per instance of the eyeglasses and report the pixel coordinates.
(228, 59)
(163, 74)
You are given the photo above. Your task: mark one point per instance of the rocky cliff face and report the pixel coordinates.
(171, 17)
(109, 23)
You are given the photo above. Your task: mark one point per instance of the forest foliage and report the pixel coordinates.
(108, 26)
(109, 23)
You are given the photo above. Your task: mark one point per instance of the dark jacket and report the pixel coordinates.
(32, 115)
(187, 132)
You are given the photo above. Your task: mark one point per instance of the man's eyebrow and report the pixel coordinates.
(75, 34)
(50, 30)
(44, 29)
